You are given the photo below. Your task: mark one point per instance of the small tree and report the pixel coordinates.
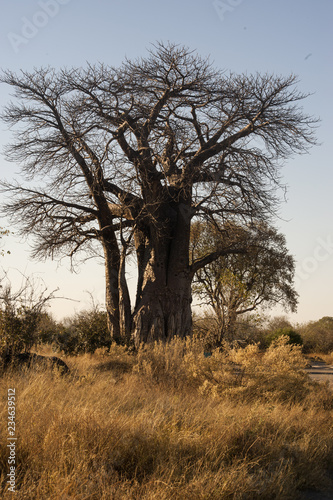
(20, 315)
(236, 284)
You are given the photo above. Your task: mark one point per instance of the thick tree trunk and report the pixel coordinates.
(163, 312)
(163, 307)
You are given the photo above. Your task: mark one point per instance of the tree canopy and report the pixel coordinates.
(236, 284)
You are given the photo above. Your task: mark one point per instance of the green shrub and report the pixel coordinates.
(48, 329)
(84, 333)
(294, 337)
(20, 317)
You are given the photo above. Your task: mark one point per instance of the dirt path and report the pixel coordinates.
(320, 372)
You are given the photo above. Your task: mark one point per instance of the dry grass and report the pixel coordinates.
(169, 423)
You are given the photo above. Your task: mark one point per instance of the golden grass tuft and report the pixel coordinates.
(169, 423)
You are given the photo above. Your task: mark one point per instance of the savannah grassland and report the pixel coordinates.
(169, 423)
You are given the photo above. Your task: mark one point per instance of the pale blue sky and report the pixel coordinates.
(239, 35)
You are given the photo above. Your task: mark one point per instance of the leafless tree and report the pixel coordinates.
(135, 154)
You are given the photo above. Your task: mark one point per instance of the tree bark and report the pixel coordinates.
(163, 311)
(112, 295)
(113, 277)
(124, 301)
(231, 326)
(163, 308)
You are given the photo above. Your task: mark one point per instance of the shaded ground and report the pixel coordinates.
(315, 495)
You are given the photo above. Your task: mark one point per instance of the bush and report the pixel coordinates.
(318, 335)
(206, 328)
(21, 314)
(234, 372)
(84, 333)
(294, 337)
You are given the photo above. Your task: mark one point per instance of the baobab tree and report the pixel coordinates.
(129, 157)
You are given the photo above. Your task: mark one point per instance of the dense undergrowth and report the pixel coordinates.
(171, 423)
